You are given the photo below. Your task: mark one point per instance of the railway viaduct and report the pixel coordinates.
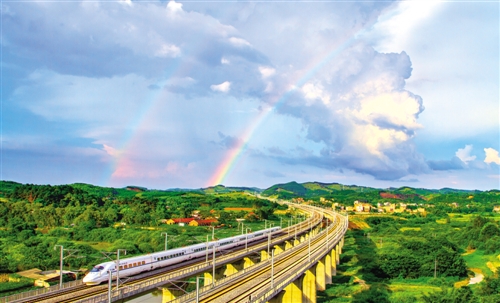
(289, 267)
(293, 272)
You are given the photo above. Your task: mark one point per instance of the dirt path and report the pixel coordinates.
(478, 276)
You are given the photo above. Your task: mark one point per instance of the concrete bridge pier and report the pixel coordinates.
(249, 261)
(309, 286)
(264, 255)
(303, 238)
(304, 289)
(321, 274)
(337, 254)
(171, 293)
(278, 249)
(328, 268)
(333, 256)
(291, 294)
(208, 276)
(232, 268)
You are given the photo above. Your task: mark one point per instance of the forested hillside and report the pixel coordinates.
(466, 201)
(385, 249)
(33, 218)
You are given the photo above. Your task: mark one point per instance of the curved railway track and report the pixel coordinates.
(83, 293)
(293, 262)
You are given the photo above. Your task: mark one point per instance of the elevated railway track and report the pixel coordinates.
(268, 279)
(147, 281)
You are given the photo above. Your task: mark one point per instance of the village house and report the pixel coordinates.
(362, 207)
(189, 221)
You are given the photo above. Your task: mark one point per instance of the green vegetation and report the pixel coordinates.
(387, 258)
(91, 219)
(393, 258)
(445, 200)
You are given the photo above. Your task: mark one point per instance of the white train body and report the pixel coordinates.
(134, 265)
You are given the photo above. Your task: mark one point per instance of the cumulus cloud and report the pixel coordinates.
(357, 106)
(223, 87)
(174, 7)
(167, 50)
(239, 42)
(464, 154)
(148, 77)
(491, 156)
(266, 71)
(153, 40)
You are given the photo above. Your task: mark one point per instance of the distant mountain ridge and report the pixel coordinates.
(285, 190)
(345, 193)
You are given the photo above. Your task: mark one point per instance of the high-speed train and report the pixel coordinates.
(134, 265)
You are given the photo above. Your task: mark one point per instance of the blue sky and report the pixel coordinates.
(162, 94)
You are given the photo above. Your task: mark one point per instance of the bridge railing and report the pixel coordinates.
(127, 291)
(229, 279)
(264, 295)
(41, 291)
(189, 297)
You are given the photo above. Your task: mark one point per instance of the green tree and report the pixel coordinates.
(489, 230)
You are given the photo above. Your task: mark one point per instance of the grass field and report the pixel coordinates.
(412, 288)
(410, 228)
(364, 241)
(478, 259)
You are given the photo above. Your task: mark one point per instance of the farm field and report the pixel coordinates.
(363, 274)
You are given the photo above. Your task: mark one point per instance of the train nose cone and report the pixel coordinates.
(87, 278)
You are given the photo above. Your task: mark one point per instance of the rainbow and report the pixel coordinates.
(224, 168)
(232, 156)
(120, 155)
(120, 158)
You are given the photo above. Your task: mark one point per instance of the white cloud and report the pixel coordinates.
(396, 26)
(491, 156)
(443, 38)
(223, 87)
(133, 80)
(365, 118)
(464, 154)
(167, 50)
(313, 92)
(239, 42)
(174, 7)
(126, 2)
(266, 71)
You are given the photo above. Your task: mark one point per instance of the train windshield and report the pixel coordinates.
(97, 269)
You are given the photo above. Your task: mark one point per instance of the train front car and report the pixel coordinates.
(98, 274)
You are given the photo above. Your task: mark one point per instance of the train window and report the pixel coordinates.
(121, 267)
(135, 264)
(143, 262)
(125, 266)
